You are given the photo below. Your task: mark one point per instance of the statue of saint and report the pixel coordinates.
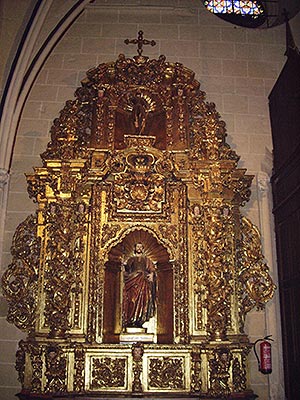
(140, 110)
(139, 293)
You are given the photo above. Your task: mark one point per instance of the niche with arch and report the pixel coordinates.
(161, 325)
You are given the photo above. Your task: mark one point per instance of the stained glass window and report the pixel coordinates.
(234, 6)
(249, 13)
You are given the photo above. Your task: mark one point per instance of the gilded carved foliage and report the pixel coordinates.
(199, 263)
(214, 263)
(109, 372)
(106, 84)
(254, 282)
(96, 276)
(102, 118)
(37, 184)
(33, 353)
(65, 246)
(128, 85)
(208, 132)
(139, 192)
(20, 361)
(219, 372)
(60, 177)
(109, 232)
(79, 364)
(239, 374)
(219, 180)
(137, 356)
(196, 378)
(181, 317)
(166, 373)
(240, 185)
(70, 132)
(20, 280)
(227, 371)
(56, 369)
(140, 181)
(139, 71)
(169, 232)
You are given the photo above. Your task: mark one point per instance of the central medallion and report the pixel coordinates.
(139, 192)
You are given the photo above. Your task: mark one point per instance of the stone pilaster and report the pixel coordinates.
(4, 179)
(272, 316)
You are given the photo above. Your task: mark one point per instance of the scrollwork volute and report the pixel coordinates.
(20, 280)
(254, 282)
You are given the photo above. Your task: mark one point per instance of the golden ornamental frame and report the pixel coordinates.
(138, 155)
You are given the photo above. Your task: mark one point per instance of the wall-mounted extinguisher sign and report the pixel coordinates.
(265, 350)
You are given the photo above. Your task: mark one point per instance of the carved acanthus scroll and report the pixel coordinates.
(20, 281)
(256, 286)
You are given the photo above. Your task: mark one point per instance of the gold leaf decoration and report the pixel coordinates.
(256, 285)
(108, 372)
(139, 156)
(20, 279)
(55, 369)
(166, 373)
(219, 365)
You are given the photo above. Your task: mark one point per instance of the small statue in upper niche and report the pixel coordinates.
(140, 109)
(139, 293)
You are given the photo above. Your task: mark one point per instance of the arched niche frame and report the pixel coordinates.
(154, 248)
(140, 111)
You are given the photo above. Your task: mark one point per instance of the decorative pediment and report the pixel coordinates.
(139, 96)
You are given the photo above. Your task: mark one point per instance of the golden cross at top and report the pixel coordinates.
(140, 41)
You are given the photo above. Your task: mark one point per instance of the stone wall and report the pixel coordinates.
(237, 68)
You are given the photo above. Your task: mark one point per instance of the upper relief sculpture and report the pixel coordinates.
(139, 96)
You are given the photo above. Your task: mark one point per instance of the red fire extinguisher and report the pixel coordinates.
(265, 360)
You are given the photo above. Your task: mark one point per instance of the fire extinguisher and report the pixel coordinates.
(265, 360)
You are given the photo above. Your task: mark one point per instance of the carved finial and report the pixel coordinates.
(140, 41)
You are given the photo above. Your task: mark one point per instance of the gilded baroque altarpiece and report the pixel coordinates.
(138, 156)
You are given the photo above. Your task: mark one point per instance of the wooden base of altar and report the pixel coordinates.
(110, 371)
(247, 395)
